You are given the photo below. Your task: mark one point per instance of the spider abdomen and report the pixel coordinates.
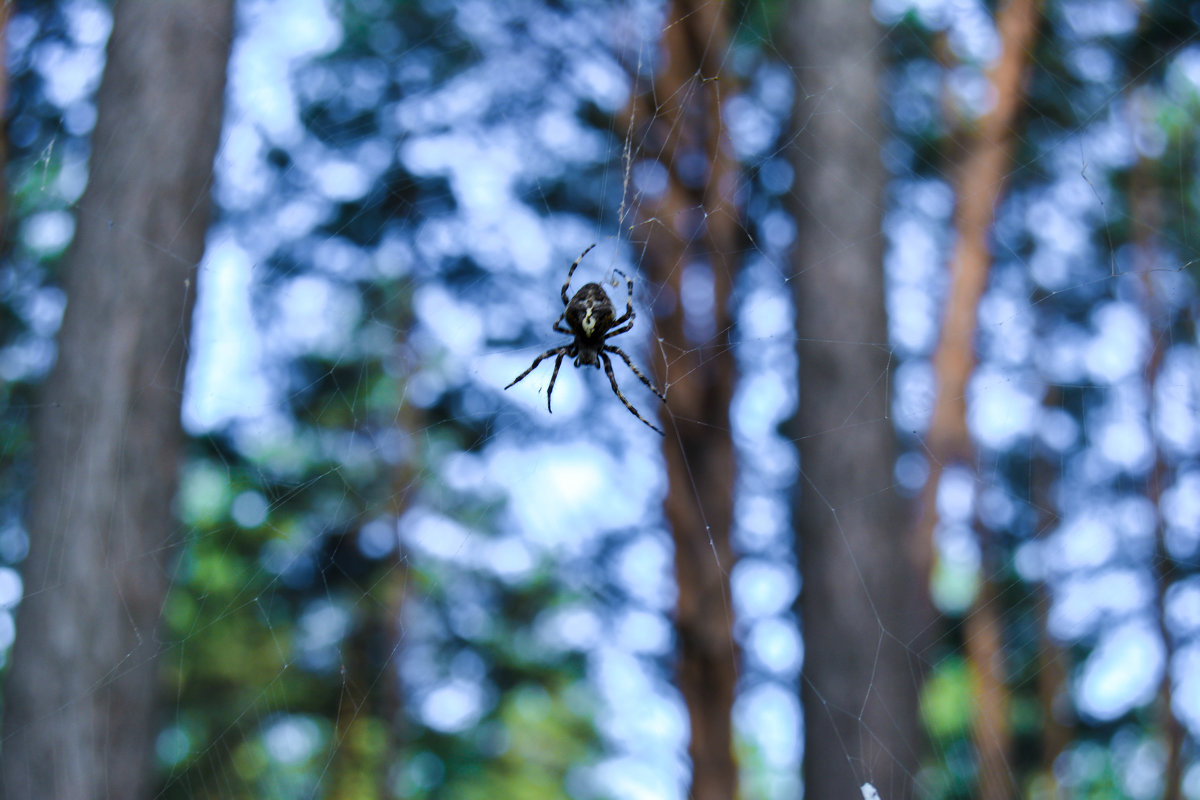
(590, 314)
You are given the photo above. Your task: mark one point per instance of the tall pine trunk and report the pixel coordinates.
(861, 594)
(694, 226)
(986, 162)
(1146, 209)
(79, 708)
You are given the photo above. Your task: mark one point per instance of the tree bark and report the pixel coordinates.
(5, 15)
(369, 718)
(948, 441)
(1054, 670)
(79, 711)
(861, 593)
(694, 225)
(1146, 212)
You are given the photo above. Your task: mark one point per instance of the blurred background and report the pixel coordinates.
(917, 278)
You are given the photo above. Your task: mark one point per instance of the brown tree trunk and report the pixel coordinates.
(1053, 672)
(1146, 213)
(364, 743)
(695, 224)
(369, 714)
(987, 161)
(5, 15)
(860, 592)
(79, 710)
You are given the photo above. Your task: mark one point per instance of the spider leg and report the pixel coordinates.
(614, 349)
(613, 380)
(553, 378)
(552, 351)
(558, 327)
(571, 272)
(623, 329)
(628, 315)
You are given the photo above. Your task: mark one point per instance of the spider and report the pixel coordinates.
(592, 320)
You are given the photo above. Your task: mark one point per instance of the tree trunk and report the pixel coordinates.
(369, 718)
(6, 11)
(979, 185)
(1051, 684)
(948, 441)
(861, 596)
(1146, 212)
(694, 225)
(79, 711)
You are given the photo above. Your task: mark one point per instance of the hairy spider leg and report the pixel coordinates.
(567, 284)
(558, 325)
(613, 380)
(553, 378)
(626, 329)
(552, 351)
(614, 349)
(628, 315)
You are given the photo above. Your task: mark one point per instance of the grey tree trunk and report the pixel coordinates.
(79, 706)
(860, 587)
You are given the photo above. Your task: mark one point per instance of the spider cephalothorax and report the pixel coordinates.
(592, 320)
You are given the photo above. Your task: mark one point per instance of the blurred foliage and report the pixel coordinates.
(34, 234)
(1086, 84)
(288, 626)
(298, 649)
(946, 699)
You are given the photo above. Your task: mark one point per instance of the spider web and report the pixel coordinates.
(370, 521)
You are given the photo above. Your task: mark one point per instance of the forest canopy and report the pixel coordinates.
(916, 280)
